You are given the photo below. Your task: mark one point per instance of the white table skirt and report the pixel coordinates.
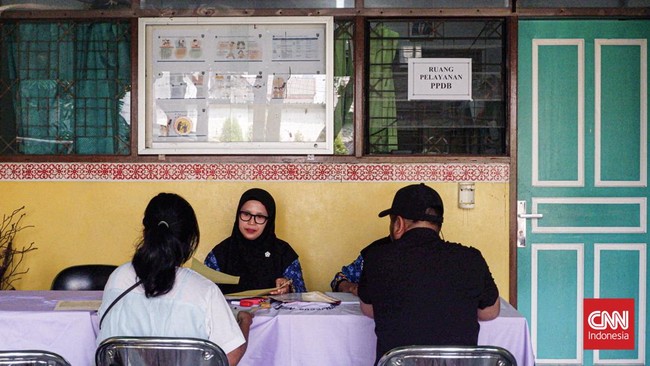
(340, 336)
(28, 321)
(344, 336)
(509, 331)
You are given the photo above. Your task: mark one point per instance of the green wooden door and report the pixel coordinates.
(582, 176)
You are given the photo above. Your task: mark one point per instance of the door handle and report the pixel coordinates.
(522, 216)
(530, 216)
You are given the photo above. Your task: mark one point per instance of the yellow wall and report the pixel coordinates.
(327, 223)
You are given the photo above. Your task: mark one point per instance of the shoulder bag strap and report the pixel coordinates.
(118, 299)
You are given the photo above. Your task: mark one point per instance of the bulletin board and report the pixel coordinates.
(258, 85)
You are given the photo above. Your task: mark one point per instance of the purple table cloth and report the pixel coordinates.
(509, 331)
(344, 336)
(339, 336)
(28, 321)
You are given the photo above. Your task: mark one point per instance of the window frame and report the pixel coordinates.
(359, 15)
(406, 107)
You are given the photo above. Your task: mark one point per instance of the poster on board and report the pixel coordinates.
(236, 85)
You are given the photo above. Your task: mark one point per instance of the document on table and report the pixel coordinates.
(250, 293)
(311, 296)
(212, 275)
(253, 293)
(79, 305)
(345, 297)
(258, 292)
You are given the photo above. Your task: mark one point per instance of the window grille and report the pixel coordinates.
(396, 125)
(65, 88)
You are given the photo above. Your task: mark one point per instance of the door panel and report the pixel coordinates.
(561, 289)
(560, 108)
(582, 173)
(620, 96)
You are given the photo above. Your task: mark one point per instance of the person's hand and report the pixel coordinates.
(284, 286)
(244, 318)
(347, 286)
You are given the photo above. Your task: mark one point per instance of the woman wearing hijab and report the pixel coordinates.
(254, 253)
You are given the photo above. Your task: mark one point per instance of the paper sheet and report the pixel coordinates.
(301, 305)
(345, 297)
(259, 292)
(90, 305)
(312, 296)
(253, 293)
(212, 275)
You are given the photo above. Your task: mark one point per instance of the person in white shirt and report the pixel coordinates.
(162, 298)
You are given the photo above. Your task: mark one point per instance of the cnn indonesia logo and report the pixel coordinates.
(609, 324)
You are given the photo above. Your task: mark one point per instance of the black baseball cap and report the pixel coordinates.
(412, 202)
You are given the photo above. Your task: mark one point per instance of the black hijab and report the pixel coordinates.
(257, 262)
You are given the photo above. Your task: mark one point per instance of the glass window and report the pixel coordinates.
(65, 4)
(397, 125)
(65, 88)
(437, 4)
(224, 85)
(248, 4)
(582, 3)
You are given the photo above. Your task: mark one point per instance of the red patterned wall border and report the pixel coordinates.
(319, 172)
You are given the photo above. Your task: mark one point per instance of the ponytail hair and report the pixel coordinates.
(170, 238)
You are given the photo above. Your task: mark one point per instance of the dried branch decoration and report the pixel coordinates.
(10, 256)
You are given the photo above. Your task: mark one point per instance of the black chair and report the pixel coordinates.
(159, 351)
(447, 356)
(32, 357)
(88, 277)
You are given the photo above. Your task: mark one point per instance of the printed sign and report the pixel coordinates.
(609, 324)
(439, 78)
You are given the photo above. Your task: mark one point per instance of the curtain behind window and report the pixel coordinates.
(344, 84)
(70, 81)
(382, 130)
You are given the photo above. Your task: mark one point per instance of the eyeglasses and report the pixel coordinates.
(246, 216)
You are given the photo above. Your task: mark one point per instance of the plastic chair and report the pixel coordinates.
(159, 351)
(447, 356)
(85, 277)
(32, 357)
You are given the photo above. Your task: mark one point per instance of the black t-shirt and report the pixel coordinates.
(425, 291)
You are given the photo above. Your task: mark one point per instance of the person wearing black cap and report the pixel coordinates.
(420, 289)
